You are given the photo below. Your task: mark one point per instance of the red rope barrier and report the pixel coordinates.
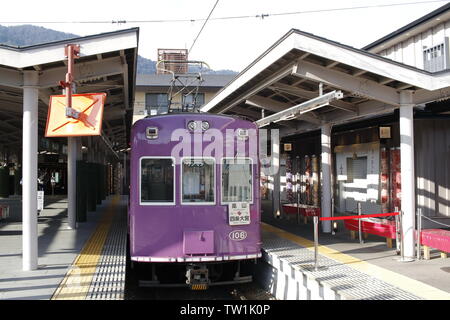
(360, 217)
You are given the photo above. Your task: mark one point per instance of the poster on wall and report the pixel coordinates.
(396, 186)
(384, 180)
(290, 194)
(307, 180)
(315, 181)
(358, 176)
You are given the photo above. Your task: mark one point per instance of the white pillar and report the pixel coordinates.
(407, 171)
(29, 171)
(72, 155)
(326, 175)
(72, 151)
(276, 178)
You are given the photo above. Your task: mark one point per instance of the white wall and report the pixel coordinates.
(410, 51)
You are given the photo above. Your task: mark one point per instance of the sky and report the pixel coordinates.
(223, 44)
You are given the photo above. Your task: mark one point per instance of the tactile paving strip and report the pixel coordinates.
(340, 278)
(108, 282)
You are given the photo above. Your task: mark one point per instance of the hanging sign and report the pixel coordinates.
(89, 107)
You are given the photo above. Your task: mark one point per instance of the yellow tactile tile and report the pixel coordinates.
(77, 281)
(415, 287)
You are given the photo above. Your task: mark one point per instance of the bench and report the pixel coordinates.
(304, 210)
(437, 239)
(380, 227)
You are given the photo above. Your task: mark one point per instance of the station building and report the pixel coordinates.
(369, 125)
(152, 92)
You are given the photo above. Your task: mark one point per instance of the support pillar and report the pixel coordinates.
(29, 171)
(72, 155)
(326, 176)
(125, 184)
(407, 172)
(276, 178)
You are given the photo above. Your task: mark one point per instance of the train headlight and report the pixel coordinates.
(205, 125)
(192, 125)
(242, 134)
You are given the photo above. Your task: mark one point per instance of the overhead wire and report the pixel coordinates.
(260, 16)
(198, 35)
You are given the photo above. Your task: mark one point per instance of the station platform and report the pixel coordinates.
(347, 269)
(86, 263)
(89, 263)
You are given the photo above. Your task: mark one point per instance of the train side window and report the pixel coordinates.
(197, 176)
(157, 183)
(237, 180)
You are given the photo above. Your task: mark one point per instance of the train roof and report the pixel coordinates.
(179, 113)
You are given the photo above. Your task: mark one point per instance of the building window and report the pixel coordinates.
(157, 181)
(236, 180)
(188, 100)
(198, 180)
(156, 103)
(437, 57)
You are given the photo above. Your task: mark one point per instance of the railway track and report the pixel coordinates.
(246, 291)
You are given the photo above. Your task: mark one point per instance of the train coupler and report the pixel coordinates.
(197, 277)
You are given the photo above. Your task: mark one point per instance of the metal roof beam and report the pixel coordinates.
(358, 87)
(83, 71)
(267, 104)
(425, 96)
(11, 78)
(286, 71)
(301, 108)
(276, 106)
(310, 94)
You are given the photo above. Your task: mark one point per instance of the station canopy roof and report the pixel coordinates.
(107, 64)
(293, 70)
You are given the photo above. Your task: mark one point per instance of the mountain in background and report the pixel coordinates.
(27, 35)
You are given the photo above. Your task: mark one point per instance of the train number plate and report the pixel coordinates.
(237, 235)
(238, 213)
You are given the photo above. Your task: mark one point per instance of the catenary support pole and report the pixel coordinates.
(29, 171)
(326, 176)
(407, 172)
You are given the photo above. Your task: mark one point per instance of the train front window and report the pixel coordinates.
(157, 180)
(197, 175)
(236, 180)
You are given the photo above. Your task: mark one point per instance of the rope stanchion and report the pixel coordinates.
(360, 216)
(359, 224)
(316, 242)
(442, 224)
(375, 215)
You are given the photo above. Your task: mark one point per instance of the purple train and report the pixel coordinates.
(194, 212)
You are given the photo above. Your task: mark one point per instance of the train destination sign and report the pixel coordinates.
(89, 107)
(238, 213)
